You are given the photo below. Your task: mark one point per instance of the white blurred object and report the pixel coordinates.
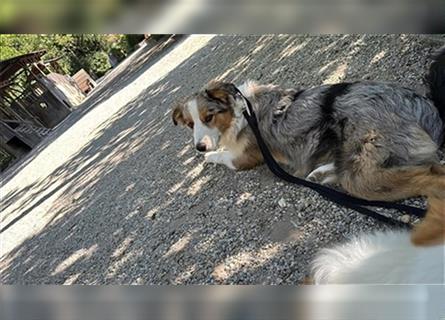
(382, 258)
(282, 16)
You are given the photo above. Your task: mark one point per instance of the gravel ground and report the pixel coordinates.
(118, 195)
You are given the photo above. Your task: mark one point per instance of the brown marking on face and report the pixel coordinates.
(223, 120)
(215, 115)
(211, 108)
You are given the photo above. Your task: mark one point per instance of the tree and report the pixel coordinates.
(78, 51)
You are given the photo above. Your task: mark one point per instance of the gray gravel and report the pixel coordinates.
(118, 195)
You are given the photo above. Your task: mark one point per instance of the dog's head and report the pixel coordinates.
(209, 113)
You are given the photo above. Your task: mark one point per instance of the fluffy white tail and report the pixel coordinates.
(382, 257)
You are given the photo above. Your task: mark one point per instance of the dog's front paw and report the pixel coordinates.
(212, 157)
(220, 157)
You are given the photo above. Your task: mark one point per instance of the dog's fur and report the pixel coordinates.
(380, 258)
(377, 141)
(388, 257)
(393, 257)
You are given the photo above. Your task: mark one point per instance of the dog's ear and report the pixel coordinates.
(178, 113)
(221, 91)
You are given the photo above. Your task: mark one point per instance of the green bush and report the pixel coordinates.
(99, 63)
(118, 53)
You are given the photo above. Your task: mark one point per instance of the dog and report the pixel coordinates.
(377, 141)
(386, 257)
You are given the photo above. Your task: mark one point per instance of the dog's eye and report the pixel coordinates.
(190, 125)
(208, 118)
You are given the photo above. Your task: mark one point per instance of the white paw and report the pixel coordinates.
(212, 157)
(220, 157)
(324, 174)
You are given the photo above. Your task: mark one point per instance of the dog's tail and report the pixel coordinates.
(436, 81)
(431, 231)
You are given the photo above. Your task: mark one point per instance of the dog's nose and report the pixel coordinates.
(201, 147)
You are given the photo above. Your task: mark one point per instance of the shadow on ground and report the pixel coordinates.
(120, 77)
(141, 207)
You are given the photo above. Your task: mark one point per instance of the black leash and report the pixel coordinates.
(333, 195)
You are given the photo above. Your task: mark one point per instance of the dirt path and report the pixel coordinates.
(117, 194)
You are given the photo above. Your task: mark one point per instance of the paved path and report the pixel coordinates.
(118, 195)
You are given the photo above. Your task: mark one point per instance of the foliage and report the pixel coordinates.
(118, 47)
(132, 40)
(118, 53)
(99, 63)
(87, 51)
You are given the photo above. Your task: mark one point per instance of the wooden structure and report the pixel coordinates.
(34, 98)
(84, 81)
